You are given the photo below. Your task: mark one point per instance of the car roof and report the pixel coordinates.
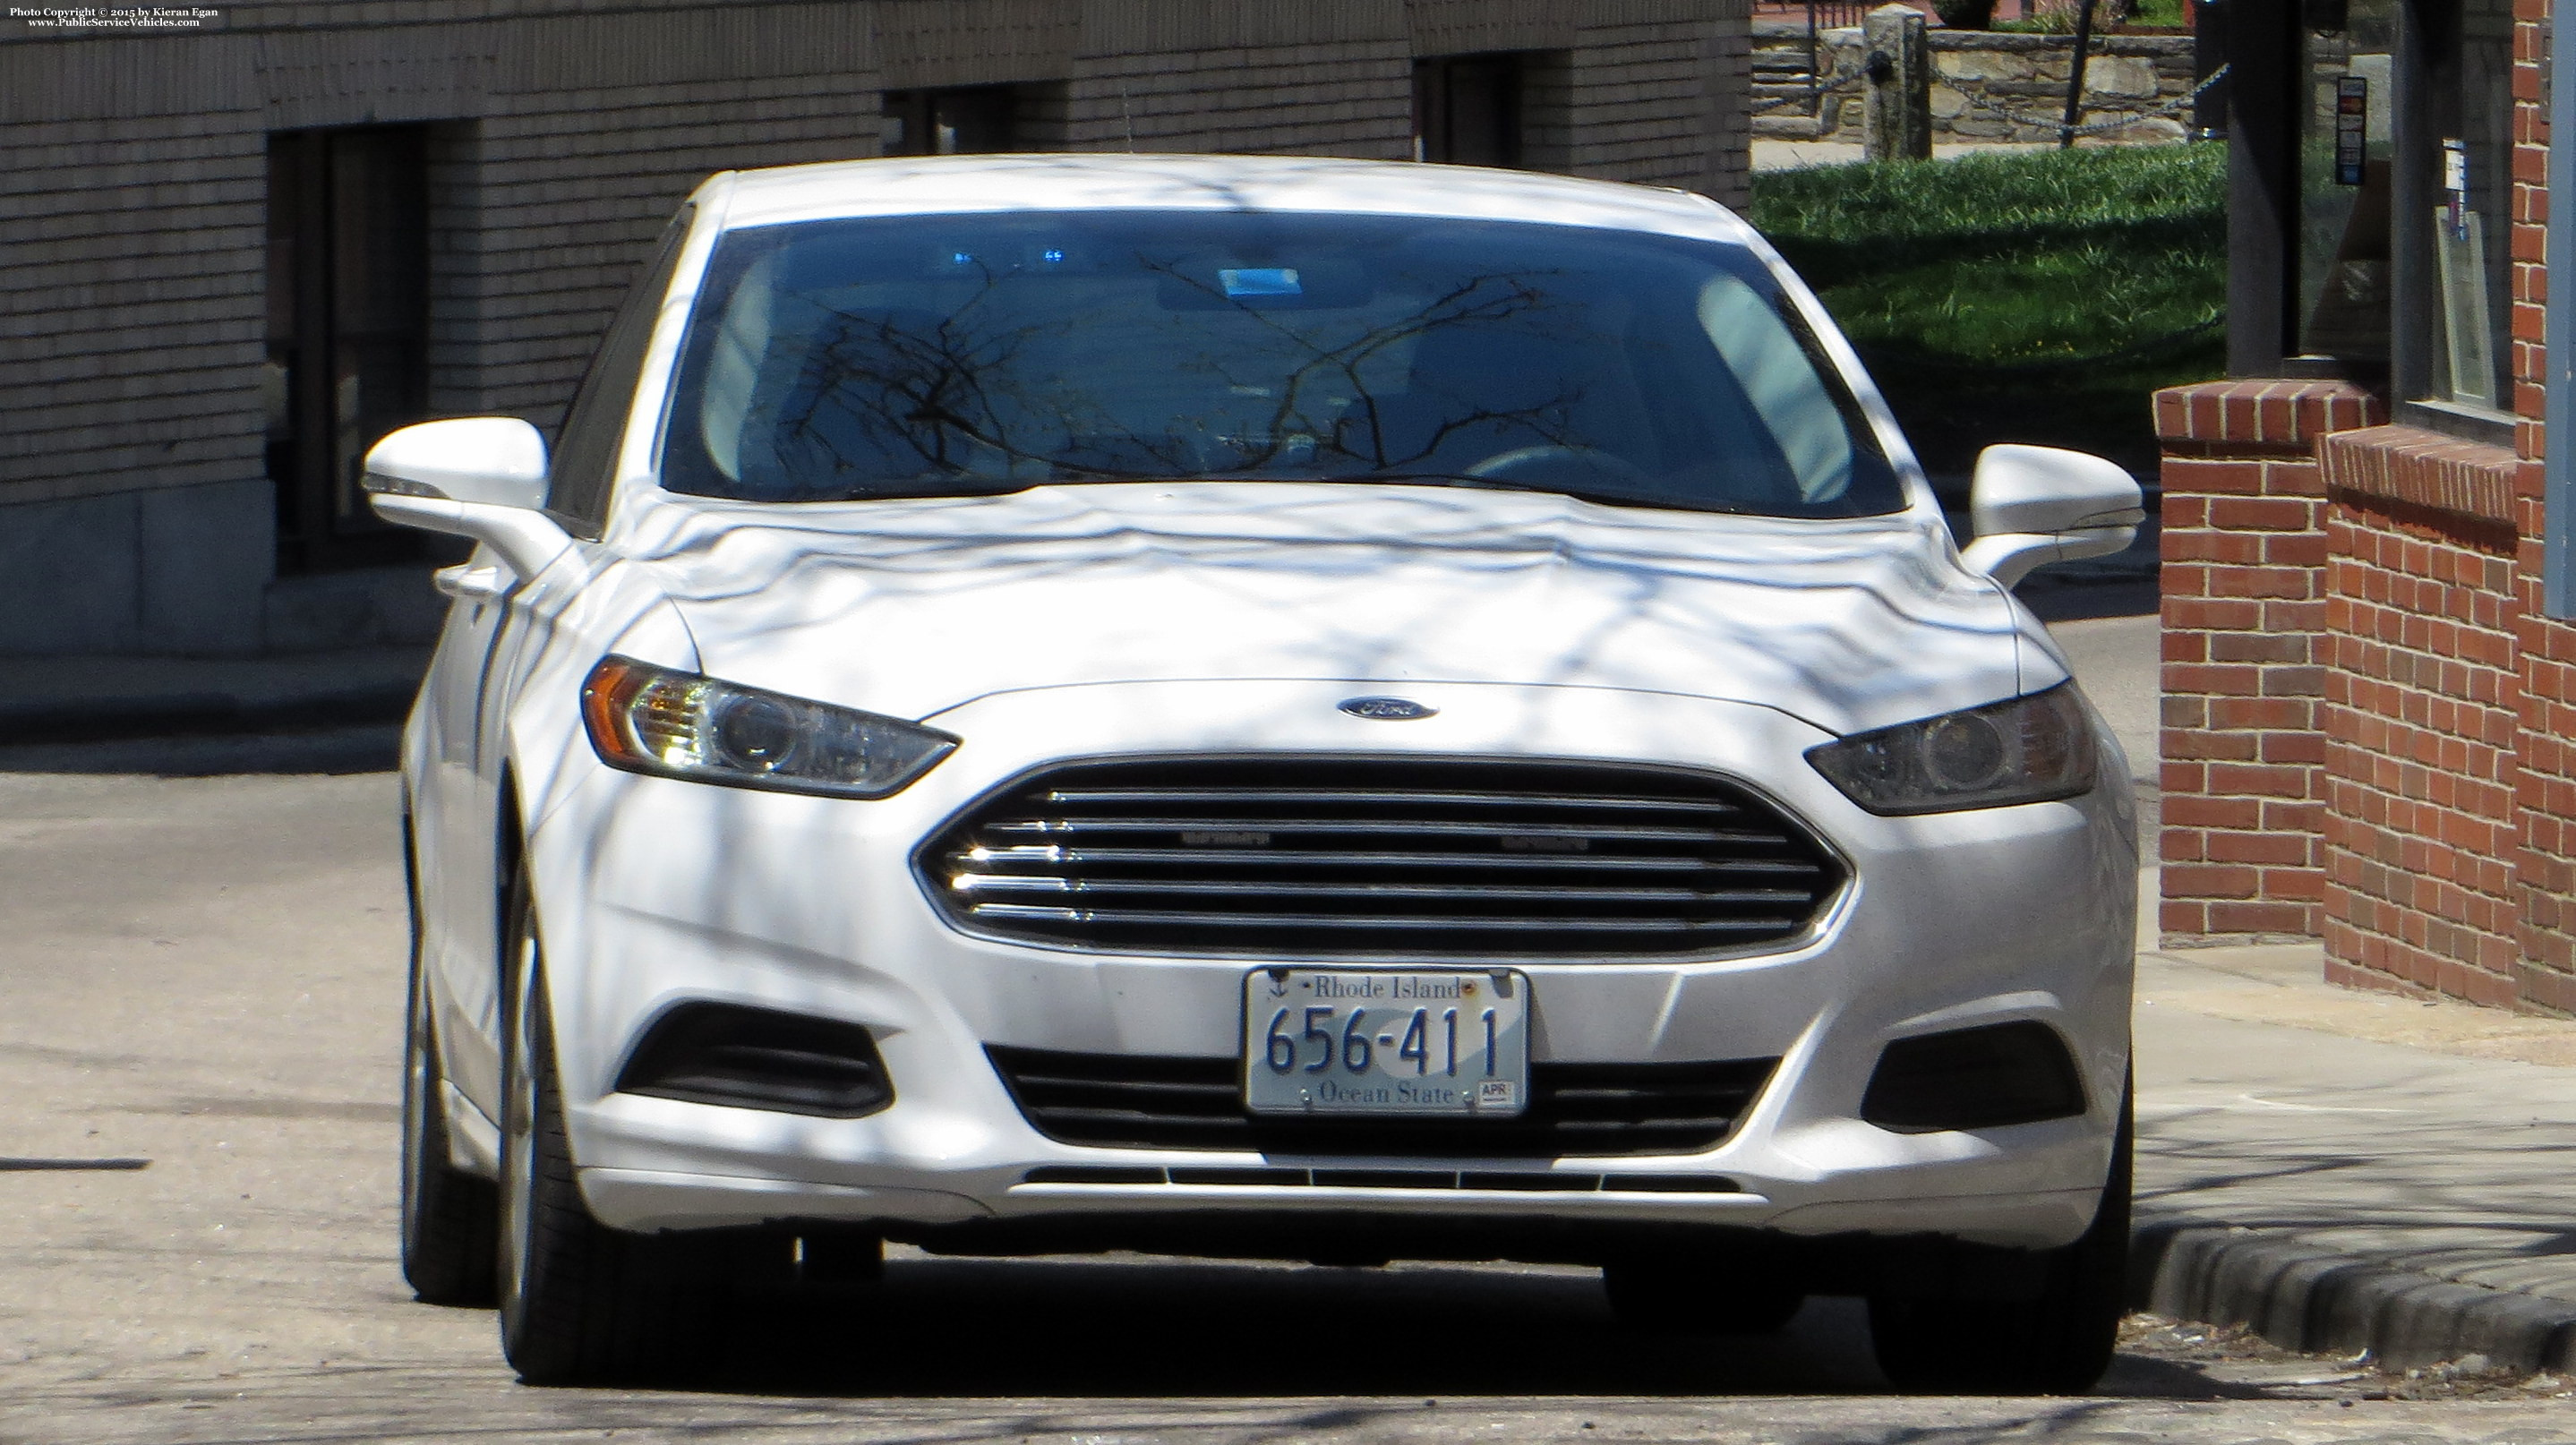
(949, 184)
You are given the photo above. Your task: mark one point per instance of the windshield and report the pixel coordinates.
(970, 354)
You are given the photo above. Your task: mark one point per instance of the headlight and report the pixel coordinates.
(2022, 750)
(649, 719)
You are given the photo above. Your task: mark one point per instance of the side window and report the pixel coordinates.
(585, 455)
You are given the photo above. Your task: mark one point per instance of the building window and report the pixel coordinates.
(2370, 201)
(2346, 156)
(2463, 159)
(348, 333)
(959, 121)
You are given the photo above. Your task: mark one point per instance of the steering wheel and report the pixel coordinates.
(1549, 461)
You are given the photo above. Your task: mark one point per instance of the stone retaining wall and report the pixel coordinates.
(1976, 74)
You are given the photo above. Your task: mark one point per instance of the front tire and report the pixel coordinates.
(2060, 1343)
(580, 1302)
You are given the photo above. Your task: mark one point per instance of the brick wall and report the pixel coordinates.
(2545, 797)
(1341, 98)
(132, 303)
(574, 185)
(2348, 701)
(2244, 548)
(2420, 719)
(1661, 103)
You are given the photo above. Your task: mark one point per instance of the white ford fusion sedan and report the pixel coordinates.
(1290, 709)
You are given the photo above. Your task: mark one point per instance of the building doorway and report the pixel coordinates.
(348, 333)
(959, 121)
(1467, 110)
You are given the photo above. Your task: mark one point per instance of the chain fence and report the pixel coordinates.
(2175, 106)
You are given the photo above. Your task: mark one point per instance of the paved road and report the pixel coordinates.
(204, 973)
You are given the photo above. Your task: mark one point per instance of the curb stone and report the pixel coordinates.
(2314, 1300)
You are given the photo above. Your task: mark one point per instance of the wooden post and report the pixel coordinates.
(1815, 66)
(1896, 124)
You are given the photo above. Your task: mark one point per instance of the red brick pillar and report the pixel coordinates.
(2244, 612)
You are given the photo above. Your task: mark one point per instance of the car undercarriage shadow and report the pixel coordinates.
(1122, 1328)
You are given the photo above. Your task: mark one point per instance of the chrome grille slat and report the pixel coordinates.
(1222, 1093)
(1327, 920)
(985, 883)
(1425, 827)
(1320, 858)
(1415, 797)
(1308, 857)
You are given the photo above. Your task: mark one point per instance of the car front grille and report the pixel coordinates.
(1338, 858)
(1135, 1101)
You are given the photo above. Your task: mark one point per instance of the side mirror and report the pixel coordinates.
(2034, 505)
(496, 460)
(482, 477)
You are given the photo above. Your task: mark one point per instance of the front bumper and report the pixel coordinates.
(656, 892)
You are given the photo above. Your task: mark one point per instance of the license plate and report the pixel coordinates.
(1444, 1043)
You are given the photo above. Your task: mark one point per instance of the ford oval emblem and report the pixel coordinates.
(1387, 709)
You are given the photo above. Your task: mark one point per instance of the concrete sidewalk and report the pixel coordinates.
(2346, 1171)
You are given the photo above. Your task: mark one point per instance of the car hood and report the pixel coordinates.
(909, 608)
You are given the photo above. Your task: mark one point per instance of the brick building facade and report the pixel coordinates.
(2370, 678)
(239, 251)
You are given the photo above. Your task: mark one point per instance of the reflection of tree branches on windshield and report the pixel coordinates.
(1492, 299)
(928, 395)
(892, 396)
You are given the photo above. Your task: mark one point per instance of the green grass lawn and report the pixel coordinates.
(2038, 297)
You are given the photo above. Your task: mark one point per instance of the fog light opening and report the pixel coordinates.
(757, 1058)
(1986, 1077)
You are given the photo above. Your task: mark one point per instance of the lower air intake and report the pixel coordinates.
(1576, 1110)
(756, 1058)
